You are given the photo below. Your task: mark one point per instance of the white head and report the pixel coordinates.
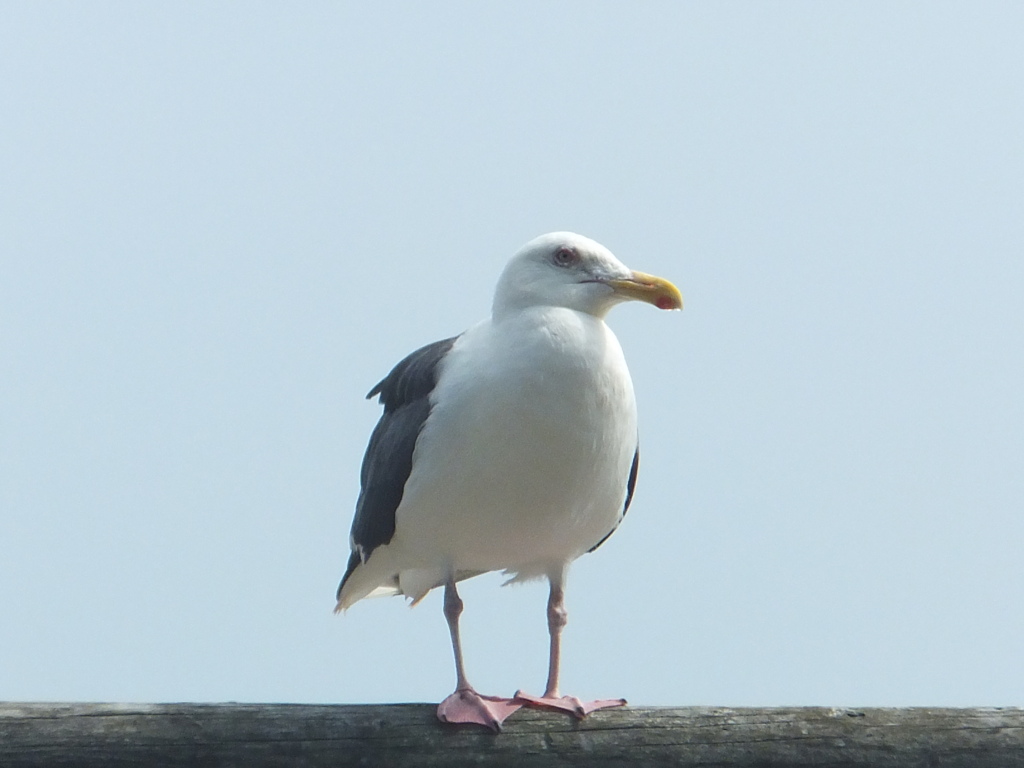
(563, 269)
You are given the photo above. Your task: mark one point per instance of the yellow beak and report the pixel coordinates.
(654, 290)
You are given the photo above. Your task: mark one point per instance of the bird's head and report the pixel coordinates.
(563, 269)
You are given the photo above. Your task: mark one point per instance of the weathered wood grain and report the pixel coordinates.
(300, 735)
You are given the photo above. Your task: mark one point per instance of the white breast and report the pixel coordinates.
(522, 465)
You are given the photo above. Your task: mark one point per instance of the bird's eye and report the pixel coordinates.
(565, 256)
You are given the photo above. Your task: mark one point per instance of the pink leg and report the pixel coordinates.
(465, 705)
(557, 619)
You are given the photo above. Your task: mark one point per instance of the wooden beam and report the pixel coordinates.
(399, 735)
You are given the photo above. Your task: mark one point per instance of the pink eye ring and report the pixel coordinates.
(565, 256)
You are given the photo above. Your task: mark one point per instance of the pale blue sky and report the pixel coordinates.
(222, 223)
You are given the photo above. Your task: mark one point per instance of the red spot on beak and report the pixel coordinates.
(664, 302)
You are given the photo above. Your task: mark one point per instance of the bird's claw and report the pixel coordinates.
(468, 706)
(570, 704)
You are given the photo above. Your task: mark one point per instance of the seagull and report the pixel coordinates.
(510, 447)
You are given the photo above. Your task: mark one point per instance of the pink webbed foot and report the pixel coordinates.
(468, 706)
(572, 705)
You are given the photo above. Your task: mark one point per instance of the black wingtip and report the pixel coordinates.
(353, 561)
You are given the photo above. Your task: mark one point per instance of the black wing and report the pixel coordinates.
(630, 487)
(405, 394)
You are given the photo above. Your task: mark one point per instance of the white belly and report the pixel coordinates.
(522, 465)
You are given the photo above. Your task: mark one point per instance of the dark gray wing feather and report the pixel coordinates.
(405, 395)
(630, 487)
